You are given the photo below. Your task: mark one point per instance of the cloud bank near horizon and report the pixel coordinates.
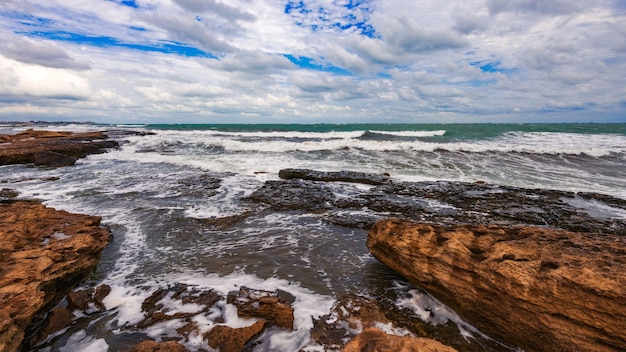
(313, 61)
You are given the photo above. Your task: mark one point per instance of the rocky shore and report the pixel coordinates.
(53, 149)
(44, 252)
(540, 270)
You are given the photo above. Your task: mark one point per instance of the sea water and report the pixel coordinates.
(160, 193)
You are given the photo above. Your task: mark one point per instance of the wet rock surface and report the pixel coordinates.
(373, 339)
(539, 289)
(331, 176)
(43, 254)
(441, 202)
(153, 346)
(54, 149)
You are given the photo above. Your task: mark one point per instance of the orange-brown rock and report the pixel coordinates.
(51, 148)
(229, 339)
(153, 346)
(43, 254)
(540, 289)
(265, 305)
(375, 340)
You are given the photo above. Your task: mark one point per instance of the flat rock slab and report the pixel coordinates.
(43, 254)
(49, 148)
(539, 289)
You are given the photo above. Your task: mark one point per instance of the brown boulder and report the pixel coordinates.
(229, 339)
(262, 304)
(43, 254)
(375, 340)
(51, 148)
(540, 289)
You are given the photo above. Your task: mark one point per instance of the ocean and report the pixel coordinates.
(164, 196)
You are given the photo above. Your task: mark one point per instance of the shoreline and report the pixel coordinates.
(306, 191)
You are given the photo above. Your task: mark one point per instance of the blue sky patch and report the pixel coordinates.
(104, 41)
(492, 67)
(309, 64)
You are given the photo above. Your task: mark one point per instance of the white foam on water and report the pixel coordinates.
(412, 133)
(80, 342)
(596, 208)
(430, 310)
(125, 300)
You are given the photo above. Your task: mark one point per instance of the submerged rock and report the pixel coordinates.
(540, 289)
(44, 253)
(51, 148)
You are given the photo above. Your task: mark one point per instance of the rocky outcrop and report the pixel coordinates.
(440, 202)
(540, 289)
(373, 339)
(43, 254)
(51, 148)
(331, 176)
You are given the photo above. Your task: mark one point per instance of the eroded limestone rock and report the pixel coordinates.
(540, 289)
(43, 254)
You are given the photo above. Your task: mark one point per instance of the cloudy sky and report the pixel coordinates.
(274, 61)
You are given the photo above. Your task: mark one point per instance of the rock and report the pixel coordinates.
(294, 195)
(155, 311)
(441, 202)
(153, 346)
(330, 176)
(51, 148)
(229, 339)
(59, 318)
(43, 254)
(540, 289)
(101, 292)
(80, 299)
(373, 339)
(8, 193)
(348, 317)
(54, 159)
(262, 304)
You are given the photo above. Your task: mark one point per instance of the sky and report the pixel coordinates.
(313, 61)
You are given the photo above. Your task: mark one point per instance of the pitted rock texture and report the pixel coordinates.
(539, 289)
(44, 253)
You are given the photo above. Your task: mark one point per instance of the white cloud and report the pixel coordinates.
(410, 61)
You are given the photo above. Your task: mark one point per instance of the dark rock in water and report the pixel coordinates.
(59, 318)
(341, 176)
(101, 292)
(262, 304)
(540, 289)
(8, 193)
(228, 339)
(442, 202)
(155, 311)
(80, 299)
(54, 159)
(294, 195)
(153, 346)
